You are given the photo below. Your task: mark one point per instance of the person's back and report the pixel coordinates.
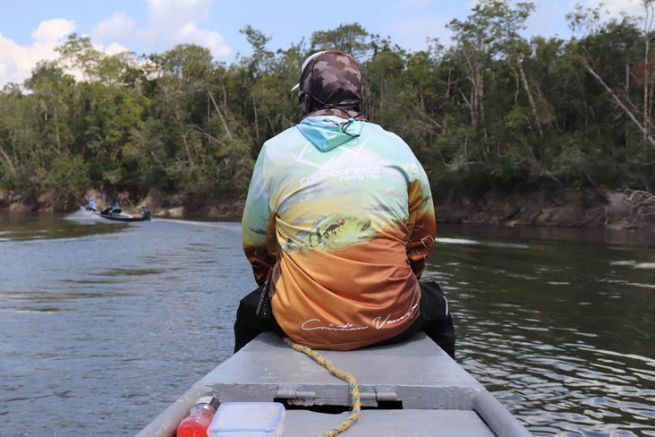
(339, 195)
(339, 219)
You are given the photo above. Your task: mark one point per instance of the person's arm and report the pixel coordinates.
(257, 224)
(421, 224)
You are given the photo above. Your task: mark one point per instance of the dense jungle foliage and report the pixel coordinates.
(492, 111)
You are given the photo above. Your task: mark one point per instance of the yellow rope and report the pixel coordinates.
(334, 370)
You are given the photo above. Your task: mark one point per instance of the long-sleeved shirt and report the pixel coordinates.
(340, 218)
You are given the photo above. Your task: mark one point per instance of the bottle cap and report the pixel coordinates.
(209, 400)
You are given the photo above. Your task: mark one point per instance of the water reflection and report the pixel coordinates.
(111, 322)
(114, 322)
(562, 333)
(24, 227)
(630, 237)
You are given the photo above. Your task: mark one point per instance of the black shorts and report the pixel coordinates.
(434, 319)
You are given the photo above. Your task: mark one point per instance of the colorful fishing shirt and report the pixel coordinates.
(340, 219)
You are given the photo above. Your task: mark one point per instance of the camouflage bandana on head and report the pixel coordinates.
(331, 84)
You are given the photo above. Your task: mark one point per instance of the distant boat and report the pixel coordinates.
(121, 216)
(115, 213)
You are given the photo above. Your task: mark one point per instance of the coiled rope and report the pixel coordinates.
(334, 370)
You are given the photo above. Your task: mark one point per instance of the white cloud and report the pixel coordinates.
(189, 33)
(169, 22)
(53, 31)
(173, 22)
(114, 49)
(176, 12)
(17, 61)
(117, 27)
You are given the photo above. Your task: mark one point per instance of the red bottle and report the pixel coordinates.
(199, 418)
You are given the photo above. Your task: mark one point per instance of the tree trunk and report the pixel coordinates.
(533, 107)
(646, 80)
(620, 103)
(648, 123)
(469, 104)
(473, 78)
(626, 135)
(648, 22)
(220, 114)
(56, 121)
(12, 168)
(450, 71)
(188, 153)
(254, 108)
(481, 115)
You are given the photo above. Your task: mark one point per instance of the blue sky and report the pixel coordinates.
(30, 29)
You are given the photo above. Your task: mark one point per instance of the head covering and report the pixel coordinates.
(304, 65)
(331, 84)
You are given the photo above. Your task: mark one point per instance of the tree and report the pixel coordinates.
(349, 38)
(79, 55)
(491, 112)
(649, 15)
(474, 49)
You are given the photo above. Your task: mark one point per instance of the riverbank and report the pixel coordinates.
(571, 208)
(160, 204)
(618, 210)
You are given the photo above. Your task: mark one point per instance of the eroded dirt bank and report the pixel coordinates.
(571, 208)
(160, 204)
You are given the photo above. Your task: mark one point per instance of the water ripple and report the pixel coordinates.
(103, 324)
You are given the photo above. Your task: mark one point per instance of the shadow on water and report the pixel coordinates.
(562, 331)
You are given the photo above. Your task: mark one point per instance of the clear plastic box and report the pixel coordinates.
(248, 419)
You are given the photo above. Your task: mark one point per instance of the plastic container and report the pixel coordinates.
(199, 418)
(248, 419)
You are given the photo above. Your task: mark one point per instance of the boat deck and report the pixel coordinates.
(408, 389)
(405, 423)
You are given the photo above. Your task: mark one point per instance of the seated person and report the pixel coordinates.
(337, 226)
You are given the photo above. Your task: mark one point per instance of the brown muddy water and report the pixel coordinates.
(103, 325)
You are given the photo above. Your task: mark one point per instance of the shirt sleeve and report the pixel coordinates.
(421, 223)
(258, 224)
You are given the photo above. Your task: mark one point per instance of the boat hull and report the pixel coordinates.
(412, 386)
(122, 217)
(119, 218)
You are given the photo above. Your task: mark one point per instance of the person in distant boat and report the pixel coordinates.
(92, 205)
(144, 211)
(338, 224)
(114, 209)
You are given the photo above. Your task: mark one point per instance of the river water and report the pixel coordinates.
(103, 325)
